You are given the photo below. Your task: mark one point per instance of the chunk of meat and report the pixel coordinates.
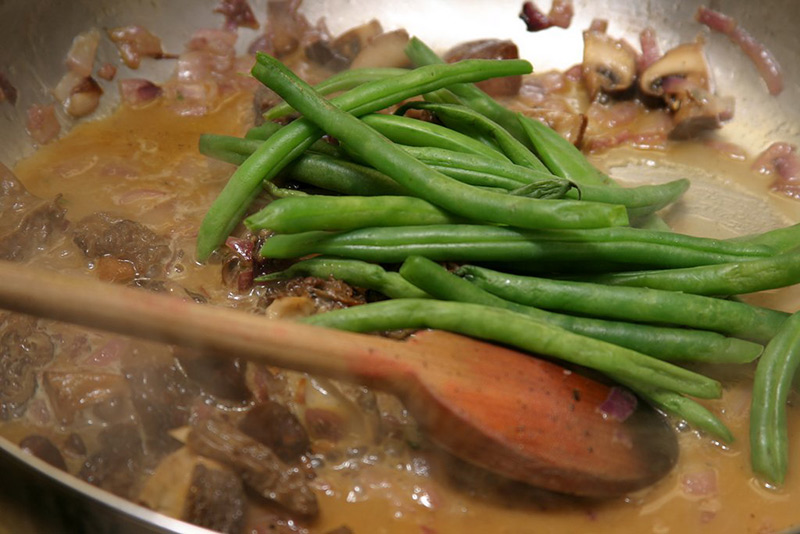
(24, 349)
(117, 465)
(44, 449)
(278, 428)
(161, 393)
(197, 490)
(28, 223)
(260, 468)
(72, 391)
(220, 377)
(489, 49)
(100, 234)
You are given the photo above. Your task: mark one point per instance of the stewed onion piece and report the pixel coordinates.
(80, 95)
(81, 55)
(384, 50)
(609, 65)
(134, 43)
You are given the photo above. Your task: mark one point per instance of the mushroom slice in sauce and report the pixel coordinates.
(685, 61)
(682, 78)
(609, 65)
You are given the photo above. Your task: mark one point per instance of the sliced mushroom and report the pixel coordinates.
(699, 110)
(685, 61)
(384, 50)
(350, 43)
(609, 65)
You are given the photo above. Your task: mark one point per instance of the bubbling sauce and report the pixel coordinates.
(143, 165)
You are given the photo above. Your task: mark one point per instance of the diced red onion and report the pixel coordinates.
(782, 160)
(561, 13)
(136, 91)
(134, 43)
(650, 50)
(766, 63)
(702, 483)
(598, 25)
(81, 55)
(243, 247)
(620, 404)
(535, 20)
(719, 22)
(42, 123)
(238, 14)
(763, 59)
(107, 71)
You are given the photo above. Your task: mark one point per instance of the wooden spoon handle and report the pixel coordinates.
(207, 329)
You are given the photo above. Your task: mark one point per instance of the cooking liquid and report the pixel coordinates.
(143, 164)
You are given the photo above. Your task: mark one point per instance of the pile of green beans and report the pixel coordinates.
(620, 293)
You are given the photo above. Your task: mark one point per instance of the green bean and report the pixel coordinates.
(635, 304)
(477, 243)
(264, 131)
(519, 331)
(467, 168)
(473, 169)
(341, 81)
(342, 176)
(466, 120)
(561, 156)
(293, 215)
(664, 343)
(227, 148)
(355, 273)
(553, 188)
(692, 412)
(268, 129)
(283, 192)
(420, 54)
(771, 386)
(415, 132)
(641, 201)
(781, 239)
(724, 279)
(426, 183)
(292, 140)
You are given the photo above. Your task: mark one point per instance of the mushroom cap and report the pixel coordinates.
(684, 61)
(609, 64)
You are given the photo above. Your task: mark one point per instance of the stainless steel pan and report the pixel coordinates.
(35, 35)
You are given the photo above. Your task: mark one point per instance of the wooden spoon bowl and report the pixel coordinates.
(516, 415)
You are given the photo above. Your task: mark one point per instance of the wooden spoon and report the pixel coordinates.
(511, 413)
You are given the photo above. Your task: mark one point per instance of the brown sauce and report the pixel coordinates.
(143, 164)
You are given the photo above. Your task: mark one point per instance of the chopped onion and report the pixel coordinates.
(134, 43)
(620, 404)
(238, 14)
(763, 59)
(81, 55)
(535, 20)
(42, 123)
(107, 71)
(136, 91)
